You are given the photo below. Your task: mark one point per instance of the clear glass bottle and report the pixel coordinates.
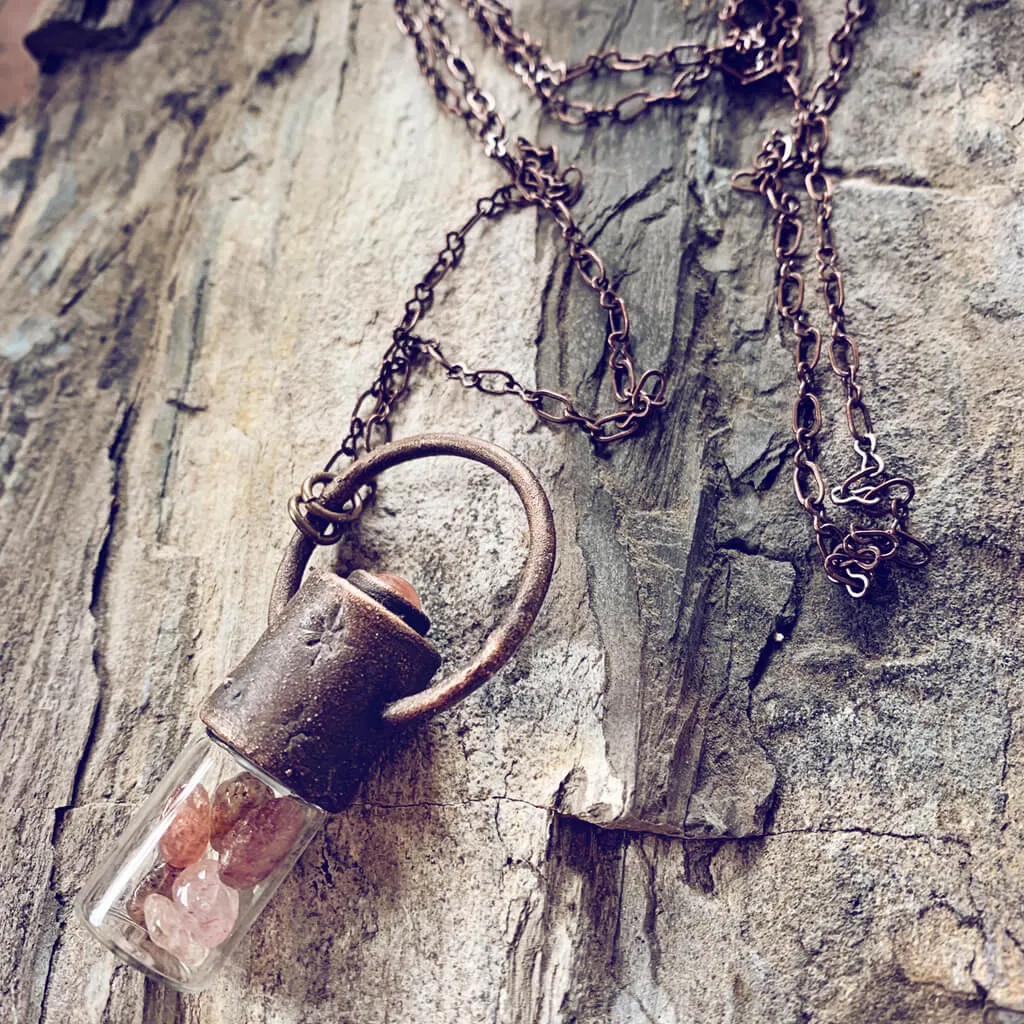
(196, 865)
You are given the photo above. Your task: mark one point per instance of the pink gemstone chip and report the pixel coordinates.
(233, 799)
(187, 836)
(159, 879)
(260, 841)
(210, 905)
(170, 928)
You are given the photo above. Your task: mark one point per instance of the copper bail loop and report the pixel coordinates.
(533, 582)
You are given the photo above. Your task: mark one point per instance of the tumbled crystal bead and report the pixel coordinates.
(211, 906)
(170, 928)
(159, 879)
(233, 799)
(187, 836)
(260, 841)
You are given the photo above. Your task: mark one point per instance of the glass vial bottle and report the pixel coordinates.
(291, 734)
(197, 864)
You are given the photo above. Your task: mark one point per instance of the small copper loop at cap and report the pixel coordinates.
(306, 510)
(533, 582)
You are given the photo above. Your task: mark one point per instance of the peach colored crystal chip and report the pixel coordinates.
(233, 799)
(211, 906)
(170, 928)
(159, 879)
(260, 841)
(186, 837)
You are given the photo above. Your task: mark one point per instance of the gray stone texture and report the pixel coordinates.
(710, 787)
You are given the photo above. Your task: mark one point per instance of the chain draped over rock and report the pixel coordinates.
(748, 51)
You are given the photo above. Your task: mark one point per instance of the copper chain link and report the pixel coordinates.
(851, 557)
(750, 49)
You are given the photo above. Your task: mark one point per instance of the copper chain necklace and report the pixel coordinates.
(748, 51)
(345, 662)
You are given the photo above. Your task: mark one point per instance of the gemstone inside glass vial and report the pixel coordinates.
(196, 865)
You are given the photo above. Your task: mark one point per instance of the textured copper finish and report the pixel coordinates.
(305, 704)
(533, 583)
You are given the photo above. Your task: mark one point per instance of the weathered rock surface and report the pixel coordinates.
(709, 787)
(65, 28)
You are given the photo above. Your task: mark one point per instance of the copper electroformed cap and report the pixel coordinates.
(345, 661)
(305, 703)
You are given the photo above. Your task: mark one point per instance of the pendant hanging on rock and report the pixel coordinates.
(290, 736)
